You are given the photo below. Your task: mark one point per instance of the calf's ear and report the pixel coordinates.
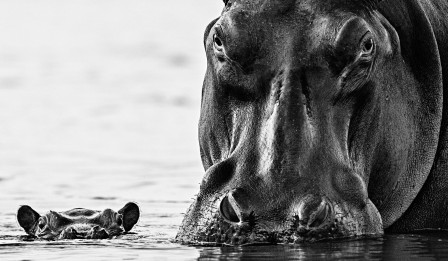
(131, 214)
(27, 218)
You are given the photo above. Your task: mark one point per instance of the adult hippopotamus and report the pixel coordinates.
(78, 223)
(322, 119)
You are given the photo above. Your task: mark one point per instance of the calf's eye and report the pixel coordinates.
(41, 223)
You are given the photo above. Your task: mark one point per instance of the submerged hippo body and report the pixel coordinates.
(78, 223)
(322, 119)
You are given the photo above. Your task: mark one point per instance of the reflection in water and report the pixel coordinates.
(431, 246)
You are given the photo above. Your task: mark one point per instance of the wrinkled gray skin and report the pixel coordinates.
(78, 223)
(322, 119)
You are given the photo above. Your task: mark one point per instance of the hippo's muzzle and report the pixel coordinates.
(313, 218)
(84, 231)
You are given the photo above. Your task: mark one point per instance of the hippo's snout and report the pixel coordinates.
(84, 231)
(243, 216)
(312, 215)
(312, 212)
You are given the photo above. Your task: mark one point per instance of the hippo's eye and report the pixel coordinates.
(368, 45)
(41, 223)
(217, 41)
(218, 48)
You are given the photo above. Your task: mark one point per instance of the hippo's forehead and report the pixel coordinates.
(80, 212)
(306, 27)
(278, 7)
(75, 216)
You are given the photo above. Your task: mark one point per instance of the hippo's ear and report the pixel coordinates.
(130, 213)
(27, 218)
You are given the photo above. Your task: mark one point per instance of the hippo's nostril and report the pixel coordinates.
(227, 211)
(73, 230)
(68, 233)
(102, 234)
(314, 211)
(320, 215)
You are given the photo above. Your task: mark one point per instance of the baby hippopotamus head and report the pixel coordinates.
(78, 223)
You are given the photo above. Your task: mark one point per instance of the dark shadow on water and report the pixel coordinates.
(428, 246)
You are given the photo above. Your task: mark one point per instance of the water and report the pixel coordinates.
(99, 104)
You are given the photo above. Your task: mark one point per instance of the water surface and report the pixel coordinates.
(99, 104)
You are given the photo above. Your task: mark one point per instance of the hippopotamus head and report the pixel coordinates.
(319, 120)
(78, 223)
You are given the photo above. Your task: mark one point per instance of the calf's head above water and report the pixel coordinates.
(78, 223)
